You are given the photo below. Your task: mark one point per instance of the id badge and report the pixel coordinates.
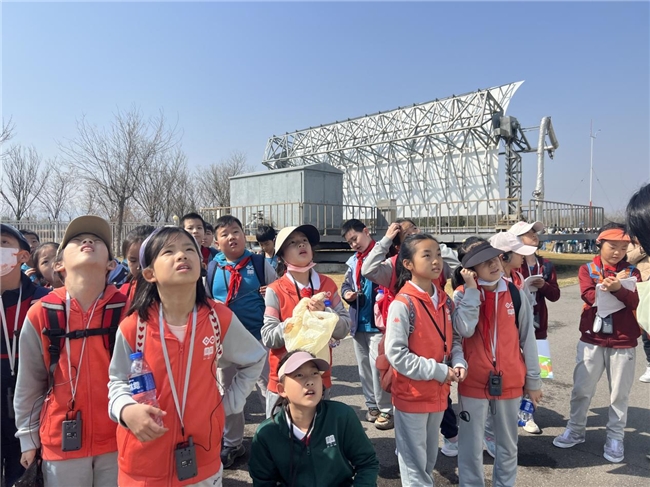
(71, 430)
(494, 385)
(185, 455)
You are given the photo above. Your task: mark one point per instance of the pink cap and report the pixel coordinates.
(296, 360)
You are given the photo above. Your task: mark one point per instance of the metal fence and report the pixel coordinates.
(53, 231)
(565, 215)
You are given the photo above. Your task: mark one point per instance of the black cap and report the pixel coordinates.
(481, 253)
(22, 241)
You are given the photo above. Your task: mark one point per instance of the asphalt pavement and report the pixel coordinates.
(540, 463)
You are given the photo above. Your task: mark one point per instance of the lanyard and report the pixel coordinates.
(311, 287)
(73, 388)
(180, 409)
(494, 335)
(444, 325)
(11, 344)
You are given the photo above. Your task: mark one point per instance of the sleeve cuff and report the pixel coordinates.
(26, 442)
(533, 384)
(119, 404)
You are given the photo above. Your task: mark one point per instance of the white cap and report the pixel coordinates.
(520, 228)
(508, 242)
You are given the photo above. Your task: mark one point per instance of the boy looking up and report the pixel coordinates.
(238, 278)
(66, 343)
(195, 225)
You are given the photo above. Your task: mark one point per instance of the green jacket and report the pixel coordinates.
(338, 452)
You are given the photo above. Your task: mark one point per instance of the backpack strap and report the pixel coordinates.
(209, 280)
(111, 318)
(259, 263)
(411, 312)
(516, 300)
(54, 311)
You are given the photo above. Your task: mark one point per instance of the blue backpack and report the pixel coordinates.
(258, 262)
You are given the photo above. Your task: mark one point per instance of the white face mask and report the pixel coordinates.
(484, 283)
(8, 260)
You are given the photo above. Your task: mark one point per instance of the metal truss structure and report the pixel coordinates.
(441, 153)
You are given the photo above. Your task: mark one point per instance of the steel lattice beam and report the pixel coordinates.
(440, 151)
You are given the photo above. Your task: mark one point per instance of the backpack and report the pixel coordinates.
(516, 300)
(383, 365)
(258, 262)
(54, 315)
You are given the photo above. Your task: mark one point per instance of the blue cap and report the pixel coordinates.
(136, 355)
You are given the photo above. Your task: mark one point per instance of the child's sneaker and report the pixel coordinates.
(568, 439)
(531, 427)
(490, 446)
(372, 415)
(614, 451)
(646, 376)
(385, 422)
(449, 447)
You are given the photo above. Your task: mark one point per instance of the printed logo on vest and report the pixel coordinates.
(250, 270)
(330, 441)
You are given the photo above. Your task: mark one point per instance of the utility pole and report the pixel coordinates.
(592, 136)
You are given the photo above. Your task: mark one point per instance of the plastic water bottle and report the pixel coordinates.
(333, 343)
(143, 387)
(380, 295)
(526, 410)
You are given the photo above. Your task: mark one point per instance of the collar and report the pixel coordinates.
(315, 280)
(222, 260)
(434, 297)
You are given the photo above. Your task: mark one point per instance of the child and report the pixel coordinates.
(194, 224)
(131, 253)
(637, 257)
(238, 278)
(421, 347)
(44, 257)
(34, 241)
(381, 270)
(545, 288)
(360, 294)
(18, 293)
(208, 239)
(184, 337)
(71, 329)
(514, 252)
(606, 343)
(338, 450)
(265, 236)
(297, 280)
(501, 352)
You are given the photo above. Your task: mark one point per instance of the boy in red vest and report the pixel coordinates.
(61, 398)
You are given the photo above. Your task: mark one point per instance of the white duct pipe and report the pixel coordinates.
(545, 128)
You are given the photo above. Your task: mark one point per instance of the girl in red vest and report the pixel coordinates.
(183, 337)
(425, 356)
(296, 280)
(131, 252)
(502, 356)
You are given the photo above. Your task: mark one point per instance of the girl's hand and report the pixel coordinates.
(535, 396)
(451, 376)
(316, 304)
(624, 274)
(611, 284)
(27, 458)
(469, 276)
(461, 373)
(30, 272)
(538, 283)
(350, 296)
(393, 230)
(263, 290)
(138, 418)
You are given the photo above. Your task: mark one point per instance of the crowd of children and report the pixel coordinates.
(210, 318)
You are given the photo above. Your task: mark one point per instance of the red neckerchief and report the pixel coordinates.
(360, 258)
(235, 277)
(605, 270)
(205, 253)
(487, 312)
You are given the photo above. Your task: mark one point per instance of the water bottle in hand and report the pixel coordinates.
(143, 387)
(526, 410)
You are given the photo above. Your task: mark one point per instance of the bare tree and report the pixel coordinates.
(55, 195)
(155, 193)
(22, 179)
(215, 180)
(186, 195)
(7, 131)
(113, 160)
